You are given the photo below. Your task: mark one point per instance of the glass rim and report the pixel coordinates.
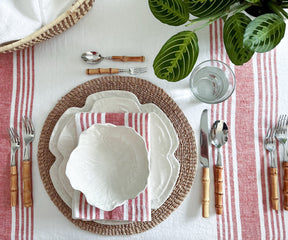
(221, 99)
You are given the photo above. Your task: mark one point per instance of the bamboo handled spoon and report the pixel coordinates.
(219, 136)
(95, 57)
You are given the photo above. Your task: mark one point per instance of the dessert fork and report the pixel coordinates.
(28, 135)
(15, 145)
(132, 70)
(270, 145)
(282, 136)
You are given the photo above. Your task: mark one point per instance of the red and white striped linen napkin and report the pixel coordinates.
(138, 209)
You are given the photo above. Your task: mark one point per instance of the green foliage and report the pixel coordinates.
(233, 32)
(264, 32)
(242, 37)
(171, 12)
(253, 1)
(204, 8)
(177, 57)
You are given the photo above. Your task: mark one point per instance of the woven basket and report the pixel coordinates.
(59, 25)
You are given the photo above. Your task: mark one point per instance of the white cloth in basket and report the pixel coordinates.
(19, 18)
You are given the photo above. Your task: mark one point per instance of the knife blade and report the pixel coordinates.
(204, 156)
(204, 160)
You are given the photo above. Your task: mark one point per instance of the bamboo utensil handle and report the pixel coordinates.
(14, 184)
(274, 188)
(128, 59)
(102, 71)
(27, 191)
(285, 185)
(218, 182)
(205, 198)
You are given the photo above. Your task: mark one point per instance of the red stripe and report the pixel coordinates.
(87, 121)
(213, 106)
(32, 74)
(26, 86)
(261, 146)
(232, 233)
(247, 176)
(148, 147)
(273, 110)
(147, 204)
(130, 212)
(27, 98)
(98, 120)
(130, 202)
(82, 121)
(6, 86)
(225, 171)
(21, 136)
(93, 118)
(268, 124)
(15, 110)
(85, 207)
(141, 194)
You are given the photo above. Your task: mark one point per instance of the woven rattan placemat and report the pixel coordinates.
(146, 93)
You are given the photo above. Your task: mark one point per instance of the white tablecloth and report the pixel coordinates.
(34, 79)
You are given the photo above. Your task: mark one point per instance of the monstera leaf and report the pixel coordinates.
(264, 32)
(171, 12)
(204, 8)
(177, 57)
(233, 32)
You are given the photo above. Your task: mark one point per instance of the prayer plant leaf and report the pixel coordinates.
(204, 8)
(253, 1)
(264, 32)
(171, 12)
(177, 57)
(233, 32)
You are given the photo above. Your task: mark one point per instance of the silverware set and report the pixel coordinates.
(93, 57)
(280, 133)
(218, 136)
(28, 137)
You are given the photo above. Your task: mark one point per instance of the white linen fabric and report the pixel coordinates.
(127, 27)
(19, 18)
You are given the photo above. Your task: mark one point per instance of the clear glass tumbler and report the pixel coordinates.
(212, 81)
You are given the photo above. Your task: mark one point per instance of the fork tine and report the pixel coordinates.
(10, 134)
(14, 135)
(282, 121)
(285, 120)
(273, 134)
(268, 133)
(31, 125)
(17, 138)
(279, 121)
(25, 125)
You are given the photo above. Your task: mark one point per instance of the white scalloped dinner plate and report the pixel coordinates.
(164, 142)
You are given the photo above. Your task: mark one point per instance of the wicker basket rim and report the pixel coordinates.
(43, 29)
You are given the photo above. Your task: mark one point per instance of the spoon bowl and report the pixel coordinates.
(219, 133)
(94, 57)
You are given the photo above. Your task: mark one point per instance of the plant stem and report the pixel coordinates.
(215, 17)
(278, 9)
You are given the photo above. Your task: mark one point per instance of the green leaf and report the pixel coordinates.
(204, 8)
(264, 32)
(233, 32)
(253, 1)
(171, 12)
(177, 57)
